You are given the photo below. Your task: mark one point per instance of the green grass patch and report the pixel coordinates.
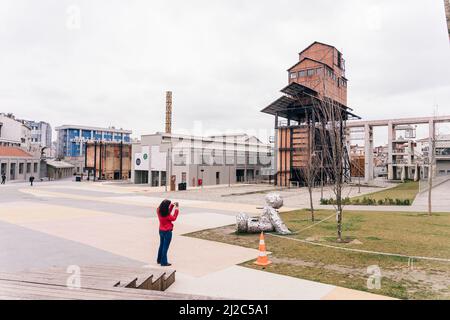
(393, 232)
(403, 191)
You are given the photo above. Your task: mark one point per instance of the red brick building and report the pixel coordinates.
(318, 75)
(108, 160)
(321, 67)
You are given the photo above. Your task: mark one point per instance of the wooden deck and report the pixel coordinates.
(96, 283)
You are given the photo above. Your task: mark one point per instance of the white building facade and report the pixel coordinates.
(213, 160)
(41, 134)
(14, 132)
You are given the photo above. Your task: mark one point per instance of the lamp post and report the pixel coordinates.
(202, 170)
(167, 170)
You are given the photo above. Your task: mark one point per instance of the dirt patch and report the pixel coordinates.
(314, 239)
(437, 282)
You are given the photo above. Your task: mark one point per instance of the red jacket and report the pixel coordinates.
(165, 223)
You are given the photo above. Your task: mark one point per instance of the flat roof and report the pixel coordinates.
(59, 164)
(213, 138)
(72, 126)
(400, 121)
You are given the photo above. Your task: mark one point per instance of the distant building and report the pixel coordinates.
(14, 132)
(194, 160)
(17, 164)
(380, 156)
(442, 153)
(356, 161)
(72, 139)
(41, 135)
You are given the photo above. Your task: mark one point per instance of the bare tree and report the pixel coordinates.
(432, 157)
(310, 171)
(331, 117)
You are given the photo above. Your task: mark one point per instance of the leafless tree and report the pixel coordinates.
(310, 171)
(330, 117)
(432, 157)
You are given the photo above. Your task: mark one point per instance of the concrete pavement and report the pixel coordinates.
(440, 197)
(59, 232)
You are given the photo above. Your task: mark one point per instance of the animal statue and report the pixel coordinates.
(269, 220)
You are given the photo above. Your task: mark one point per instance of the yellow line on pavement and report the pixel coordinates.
(153, 202)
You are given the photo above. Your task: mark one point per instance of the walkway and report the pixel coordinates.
(440, 197)
(63, 233)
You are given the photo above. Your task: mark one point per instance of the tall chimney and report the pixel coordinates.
(169, 112)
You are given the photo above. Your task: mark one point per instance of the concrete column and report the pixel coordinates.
(275, 151)
(81, 143)
(403, 174)
(368, 153)
(390, 157)
(8, 170)
(416, 173)
(410, 152)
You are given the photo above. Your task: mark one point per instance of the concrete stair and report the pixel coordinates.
(100, 277)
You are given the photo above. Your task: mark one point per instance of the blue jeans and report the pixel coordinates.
(164, 241)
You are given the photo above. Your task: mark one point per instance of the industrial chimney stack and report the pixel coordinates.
(169, 112)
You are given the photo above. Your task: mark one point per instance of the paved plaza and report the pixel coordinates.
(71, 223)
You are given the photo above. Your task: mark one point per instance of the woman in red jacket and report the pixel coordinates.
(165, 229)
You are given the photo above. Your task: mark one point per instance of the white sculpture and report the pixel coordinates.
(269, 220)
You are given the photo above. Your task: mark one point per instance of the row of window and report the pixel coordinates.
(13, 168)
(221, 160)
(442, 151)
(306, 73)
(319, 71)
(21, 167)
(86, 134)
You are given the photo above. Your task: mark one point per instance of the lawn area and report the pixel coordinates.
(403, 191)
(394, 232)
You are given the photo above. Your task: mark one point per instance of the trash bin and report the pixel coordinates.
(78, 179)
(200, 182)
(182, 186)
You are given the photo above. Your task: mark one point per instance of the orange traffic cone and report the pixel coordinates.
(262, 258)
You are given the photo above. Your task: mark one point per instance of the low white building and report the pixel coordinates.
(17, 164)
(193, 160)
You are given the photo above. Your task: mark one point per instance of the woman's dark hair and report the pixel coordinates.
(164, 208)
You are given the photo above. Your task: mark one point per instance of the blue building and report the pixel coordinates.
(70, 144)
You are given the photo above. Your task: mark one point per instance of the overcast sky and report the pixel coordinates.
(109, 62)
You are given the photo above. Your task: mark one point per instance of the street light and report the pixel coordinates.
(202, 170)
